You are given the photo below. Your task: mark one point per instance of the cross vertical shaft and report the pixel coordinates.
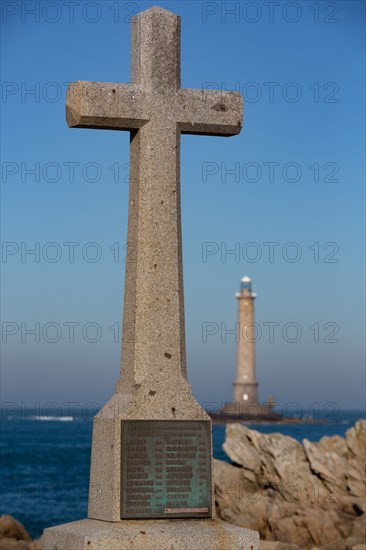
(153, 326)
(153, 338)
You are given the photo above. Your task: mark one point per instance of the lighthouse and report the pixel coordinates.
(246, 385)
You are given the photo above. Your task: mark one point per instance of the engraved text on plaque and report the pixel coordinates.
(165, 469)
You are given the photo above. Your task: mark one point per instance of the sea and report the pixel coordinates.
(45, 460)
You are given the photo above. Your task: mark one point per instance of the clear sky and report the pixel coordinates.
(286, 197)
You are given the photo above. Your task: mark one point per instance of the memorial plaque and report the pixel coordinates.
(166, 469)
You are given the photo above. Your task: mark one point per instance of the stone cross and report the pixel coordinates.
(151, 451)
(155, 110)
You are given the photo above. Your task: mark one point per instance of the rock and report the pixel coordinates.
(356, 439)
(311, 494)
(13, 544)
(13, 536)
(270, 545)
(10, 528)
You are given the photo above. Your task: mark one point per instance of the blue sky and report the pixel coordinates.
(287, 195)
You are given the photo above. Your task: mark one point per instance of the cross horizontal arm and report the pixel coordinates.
(209, 112)
(105, 105)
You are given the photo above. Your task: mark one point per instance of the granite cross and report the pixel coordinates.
(151, 449)
(153, 399)
(155, 110)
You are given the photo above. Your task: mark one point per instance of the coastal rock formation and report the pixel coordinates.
(13, 536)
(311, 495)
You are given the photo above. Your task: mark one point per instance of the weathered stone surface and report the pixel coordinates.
(312, 495)
(194, 534)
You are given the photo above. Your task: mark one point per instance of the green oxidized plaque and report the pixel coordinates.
(165, 469)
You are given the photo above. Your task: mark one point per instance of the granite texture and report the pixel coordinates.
(153, 382)
(193, 534)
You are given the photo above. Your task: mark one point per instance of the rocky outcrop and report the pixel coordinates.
(13, 536)
(311, 495)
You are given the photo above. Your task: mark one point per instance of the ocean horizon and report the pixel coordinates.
(45, 460)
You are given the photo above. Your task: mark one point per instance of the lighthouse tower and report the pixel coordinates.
(245, 385)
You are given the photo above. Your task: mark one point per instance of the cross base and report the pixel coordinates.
(170, 402)
(195, 534)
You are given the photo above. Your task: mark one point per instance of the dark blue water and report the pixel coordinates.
(44, 465)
